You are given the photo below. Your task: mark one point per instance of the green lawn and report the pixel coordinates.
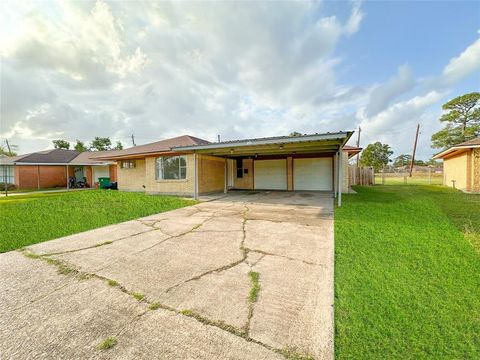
(407, 274)
(416, 179)
(30, 219)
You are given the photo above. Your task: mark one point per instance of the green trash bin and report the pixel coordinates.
(103, 181)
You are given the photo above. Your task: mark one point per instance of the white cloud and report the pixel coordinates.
(383, 94)
(463, 65)
(158, 69)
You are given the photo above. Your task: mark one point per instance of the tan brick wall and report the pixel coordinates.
(211, 174)
(132, 179)
(177, 187)
(455, 168)
(246, 182)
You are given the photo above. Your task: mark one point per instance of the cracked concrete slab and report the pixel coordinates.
(96, 258)
(196, 258)
(67, 322)
(174, 261)
(295, 307)
(219, 296)
(25, 280)
(312, 244)
(163, 335)
(90, 238)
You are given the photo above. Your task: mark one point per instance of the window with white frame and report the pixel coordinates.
(7, 174)
(171, 168)
(129, 164)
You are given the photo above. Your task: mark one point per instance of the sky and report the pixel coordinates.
(76, 70)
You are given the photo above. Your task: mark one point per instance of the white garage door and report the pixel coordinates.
(270, 174)
(100, 171)
(312, 174)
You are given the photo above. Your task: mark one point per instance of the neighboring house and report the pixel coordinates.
(52, 168)
(461, 166)
(189, 166)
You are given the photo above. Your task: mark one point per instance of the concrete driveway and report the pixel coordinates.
(247, 276)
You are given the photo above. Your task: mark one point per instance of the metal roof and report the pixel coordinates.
(326, 142)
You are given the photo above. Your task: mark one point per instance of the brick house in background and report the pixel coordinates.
(190, 166)
(52, 168)
(461, 166)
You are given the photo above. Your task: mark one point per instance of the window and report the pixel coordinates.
(239, 168)
(6, 174)
(129, 164)
(171, 168)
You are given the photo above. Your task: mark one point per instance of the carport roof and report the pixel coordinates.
(326, 142)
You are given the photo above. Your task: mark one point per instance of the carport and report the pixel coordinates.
(291, 163)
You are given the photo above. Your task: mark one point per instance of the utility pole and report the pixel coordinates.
(414, 149)
(8, 146)
(358, 143)
(133, 140)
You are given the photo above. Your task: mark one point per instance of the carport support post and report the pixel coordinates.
(68, 182)
(340, 176)
(225, 178)
(335, 177)
(195, 177)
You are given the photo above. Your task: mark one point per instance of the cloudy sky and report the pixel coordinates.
(75, 70)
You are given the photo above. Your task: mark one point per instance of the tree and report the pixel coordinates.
(61, 144)
(295, 133)
(101, 144)
(376, 155)
(5, 150)
(463, 121)
(119, 146)
(402, 160)
(80, 146)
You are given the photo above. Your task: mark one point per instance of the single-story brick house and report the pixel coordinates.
(52, 168)
(461, 166)
(190, 166)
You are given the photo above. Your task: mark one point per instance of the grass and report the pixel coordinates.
(33, 218)
(254, 278)
(416, 179)
(292, 354)
(112, 283)
(108, 343)
(406, 275)
(154, 306)
(138, 296)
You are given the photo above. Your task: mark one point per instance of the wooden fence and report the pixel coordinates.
(360, 175)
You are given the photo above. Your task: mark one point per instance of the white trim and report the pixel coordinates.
(452, 149)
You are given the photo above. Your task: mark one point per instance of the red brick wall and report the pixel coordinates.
(113, 173)
(89, 176)
(50, 176)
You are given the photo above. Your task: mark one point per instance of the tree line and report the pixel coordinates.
(97, 144)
